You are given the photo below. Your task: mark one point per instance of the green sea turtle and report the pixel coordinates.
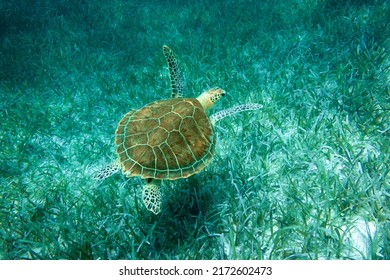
(168, 139)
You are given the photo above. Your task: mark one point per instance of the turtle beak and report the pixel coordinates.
(220, 91)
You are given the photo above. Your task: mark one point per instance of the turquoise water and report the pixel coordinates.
(305, 177)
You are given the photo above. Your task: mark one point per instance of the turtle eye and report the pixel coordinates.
(216, 94)
(218, 90)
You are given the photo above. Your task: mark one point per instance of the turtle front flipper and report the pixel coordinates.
(151, 196)
(236, 109)
(177, 82)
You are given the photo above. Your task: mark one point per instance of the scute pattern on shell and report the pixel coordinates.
(167, 139)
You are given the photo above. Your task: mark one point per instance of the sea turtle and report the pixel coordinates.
(168, 139)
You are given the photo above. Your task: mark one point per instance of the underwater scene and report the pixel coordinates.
(268, 137)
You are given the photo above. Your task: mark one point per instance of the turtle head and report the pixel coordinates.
(210, 97)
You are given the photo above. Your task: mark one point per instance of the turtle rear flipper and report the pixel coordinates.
(107, 171)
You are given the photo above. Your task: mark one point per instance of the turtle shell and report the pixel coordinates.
(166, 139)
